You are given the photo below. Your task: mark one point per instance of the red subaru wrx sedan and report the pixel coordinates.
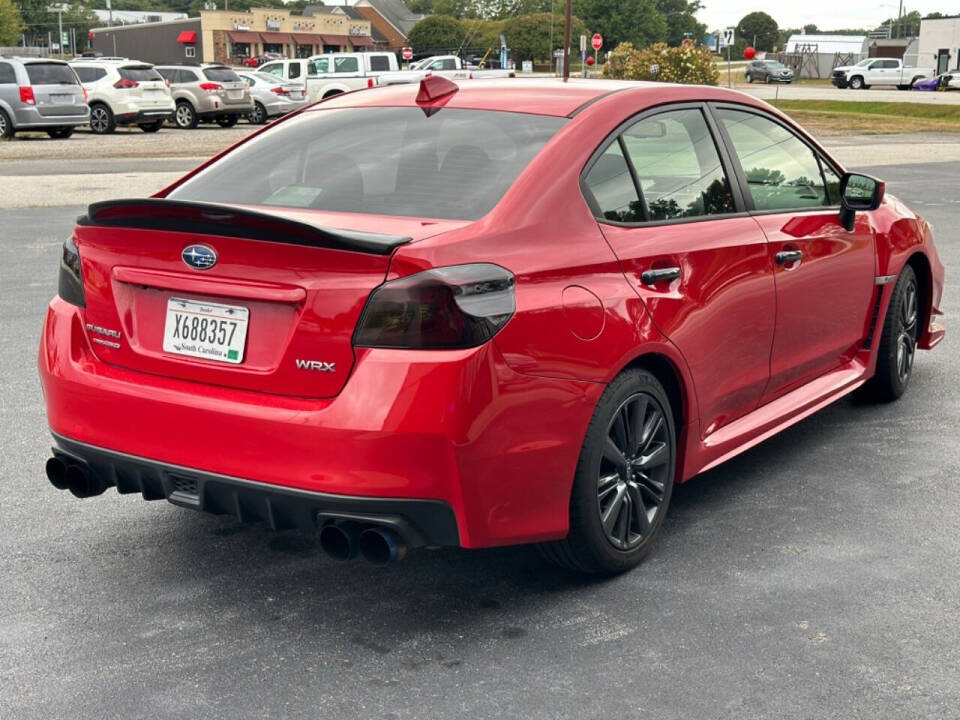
(506, 312)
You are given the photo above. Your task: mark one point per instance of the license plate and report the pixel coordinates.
(62, 99)
(206, 330)
(235, 94)
(296, 95)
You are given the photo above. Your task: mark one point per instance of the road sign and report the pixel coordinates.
(597, 41)
(583, 43)
(728, 36)
(407, 53)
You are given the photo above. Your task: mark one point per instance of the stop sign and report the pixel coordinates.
(597, 41)
(407, 53)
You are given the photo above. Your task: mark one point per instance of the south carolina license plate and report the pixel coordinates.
(206, 330)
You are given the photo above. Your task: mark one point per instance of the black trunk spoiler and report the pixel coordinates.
(232, 221)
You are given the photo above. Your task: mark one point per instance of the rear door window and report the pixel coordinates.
(610, 183)
(51, 74)
(677, 166)
(346, 65)
(89, 74)
(186, 76)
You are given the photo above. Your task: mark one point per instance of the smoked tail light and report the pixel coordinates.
(27, 96)
(211, 87)
(125, 84)
(70, 282)
(447, 308)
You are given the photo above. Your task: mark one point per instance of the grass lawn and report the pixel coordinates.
(830, 117)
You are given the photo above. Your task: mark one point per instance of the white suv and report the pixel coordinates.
(124, 92)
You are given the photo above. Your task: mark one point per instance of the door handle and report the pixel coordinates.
(652, 277)
(785, 257)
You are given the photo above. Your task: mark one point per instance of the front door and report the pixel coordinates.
(701, 267)
(824, 274)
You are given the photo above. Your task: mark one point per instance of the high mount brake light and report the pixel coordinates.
(459, 306)
(125, 83)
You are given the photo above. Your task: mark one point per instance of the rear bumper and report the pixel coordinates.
(26, 118)
(282, 106)
(419, 522)
(460, 427)
(143, 116)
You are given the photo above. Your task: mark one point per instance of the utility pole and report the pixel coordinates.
(566, 42)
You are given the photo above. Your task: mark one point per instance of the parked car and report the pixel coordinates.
(207, 93)
(333, 73)
(505, 312)
(258, 60)
(272, 97)
(124, 92)
(946, 81)
(768, 71)
(40, 94)
(453, 68)
(878, 71)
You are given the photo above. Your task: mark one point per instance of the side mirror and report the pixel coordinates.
(858, 192)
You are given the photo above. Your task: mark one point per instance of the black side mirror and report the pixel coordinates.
(859, 192)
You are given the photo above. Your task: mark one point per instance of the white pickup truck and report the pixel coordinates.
(878, 71)
(332, 73)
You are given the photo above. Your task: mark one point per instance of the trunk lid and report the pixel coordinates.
(299, 285)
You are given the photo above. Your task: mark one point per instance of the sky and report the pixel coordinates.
(825, 14)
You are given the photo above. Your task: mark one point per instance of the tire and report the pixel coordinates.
(766, 79)
(227, 121)
(258, 116)
(151, 127)
(856, 83)
(607, 535)
(102, 121)
(749, 78)
(6, 126)
(60, 133)
(185, 116)
(898, 342)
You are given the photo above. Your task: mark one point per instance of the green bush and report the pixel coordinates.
(687, 64)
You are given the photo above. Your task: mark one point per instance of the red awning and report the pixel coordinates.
(336, 39)
(187, 36)
(361, 41)
(307, 39)
(277, 38)
(243, 36)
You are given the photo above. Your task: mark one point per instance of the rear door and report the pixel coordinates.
(824, 274)
(685, 245)
(56, 88)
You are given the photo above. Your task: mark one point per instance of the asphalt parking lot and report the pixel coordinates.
(814, 576)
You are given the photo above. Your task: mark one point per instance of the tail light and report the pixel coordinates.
(279, 91)
(85, 96)
(211, 87)
(166, 81)
(125, 83)
(369, 82)
(70, 282)
(459, 306)
(26, 95)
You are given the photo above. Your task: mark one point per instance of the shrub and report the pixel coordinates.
(687, 64)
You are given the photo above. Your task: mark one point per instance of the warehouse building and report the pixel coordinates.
(229, 37)
(938, 44)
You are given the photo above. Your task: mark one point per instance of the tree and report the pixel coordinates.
(436, 32)
(529, 35)
(634, 21)
(11, 24)
(681, 20)
(761, 26)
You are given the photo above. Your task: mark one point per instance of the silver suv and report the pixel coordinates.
(208, 93)
(124, 92)
(40, 94)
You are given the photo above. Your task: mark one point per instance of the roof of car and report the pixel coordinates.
(538, 96)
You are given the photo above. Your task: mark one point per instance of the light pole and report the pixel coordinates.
(566, 41)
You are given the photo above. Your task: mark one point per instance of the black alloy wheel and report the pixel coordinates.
(898, 341)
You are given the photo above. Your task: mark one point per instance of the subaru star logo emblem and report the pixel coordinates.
(200, 257)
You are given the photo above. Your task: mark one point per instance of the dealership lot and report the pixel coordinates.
(813, 575)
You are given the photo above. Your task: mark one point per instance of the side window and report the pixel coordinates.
(187, 76)
(273, 69)
(7, 74)
(612, 187)
(678, 167)
(379, 63)
(782, 171)
(321, 65)
(345, 65)
(248, 80)
(294, 70)
(890, 64)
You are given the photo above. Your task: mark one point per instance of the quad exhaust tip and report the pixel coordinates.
(340, 540)
(381, 546)
(74, 477)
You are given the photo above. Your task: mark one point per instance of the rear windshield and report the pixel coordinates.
(140, 74)
(221, 75)
(453, 164)
(51, 74)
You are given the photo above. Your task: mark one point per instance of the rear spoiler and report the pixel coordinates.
(232, 221)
